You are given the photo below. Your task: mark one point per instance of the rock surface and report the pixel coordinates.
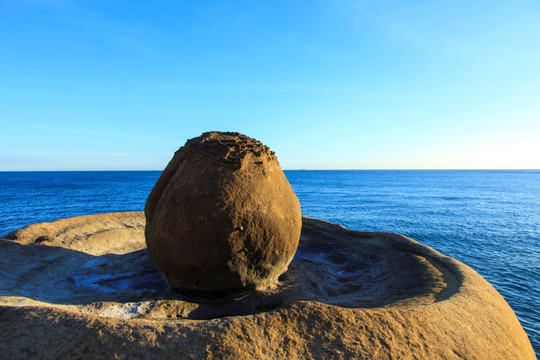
(222, 216)
(86, 287)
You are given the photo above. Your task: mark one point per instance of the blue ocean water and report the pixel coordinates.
(490, 220)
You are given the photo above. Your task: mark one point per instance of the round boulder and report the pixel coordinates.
(222, 216)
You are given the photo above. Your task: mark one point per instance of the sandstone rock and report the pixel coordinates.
(91, 291)
(222, 216)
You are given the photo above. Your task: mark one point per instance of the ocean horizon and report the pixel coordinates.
(285, 170)
(488, 219)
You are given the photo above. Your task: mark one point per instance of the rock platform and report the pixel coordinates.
(86, 287)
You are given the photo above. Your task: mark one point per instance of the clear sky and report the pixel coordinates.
(327, 84)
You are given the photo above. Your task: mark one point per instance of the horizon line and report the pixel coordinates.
(301, 169)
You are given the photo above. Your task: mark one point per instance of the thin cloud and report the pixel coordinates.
(96, 133)
(106, 154)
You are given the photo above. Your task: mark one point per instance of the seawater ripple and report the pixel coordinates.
(489, 220)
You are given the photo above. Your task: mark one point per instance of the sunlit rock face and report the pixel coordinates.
(222, 216)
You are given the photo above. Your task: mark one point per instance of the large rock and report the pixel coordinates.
(85, 288)
(222, 216)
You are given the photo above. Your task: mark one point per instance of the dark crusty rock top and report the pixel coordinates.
(228, 148)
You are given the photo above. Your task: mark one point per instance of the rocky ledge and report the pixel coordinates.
(86, 287)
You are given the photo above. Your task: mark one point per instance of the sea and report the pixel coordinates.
(490, 220)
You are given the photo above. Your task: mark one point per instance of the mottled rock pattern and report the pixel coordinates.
(222, 216)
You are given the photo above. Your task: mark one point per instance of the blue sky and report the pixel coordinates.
(327, 84)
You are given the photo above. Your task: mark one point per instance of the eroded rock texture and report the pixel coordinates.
(222, 216)
(90, 291)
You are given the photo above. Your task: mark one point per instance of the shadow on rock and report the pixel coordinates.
(333, 265)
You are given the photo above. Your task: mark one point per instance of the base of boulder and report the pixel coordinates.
(85, 287)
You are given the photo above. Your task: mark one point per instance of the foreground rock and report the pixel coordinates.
(222, 216)
(86, 287)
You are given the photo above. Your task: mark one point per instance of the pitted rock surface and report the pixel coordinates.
(222, 216)
(90, 291)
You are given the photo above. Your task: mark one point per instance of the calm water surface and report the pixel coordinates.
(490, 220)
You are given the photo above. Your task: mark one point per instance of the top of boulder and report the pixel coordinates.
(229, 147)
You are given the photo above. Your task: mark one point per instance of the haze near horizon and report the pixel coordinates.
(94, 85)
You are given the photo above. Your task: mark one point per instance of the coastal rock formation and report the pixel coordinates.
(222, 216)
(86, 287)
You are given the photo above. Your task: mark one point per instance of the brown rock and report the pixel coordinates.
(222, 216)
(88, 293)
